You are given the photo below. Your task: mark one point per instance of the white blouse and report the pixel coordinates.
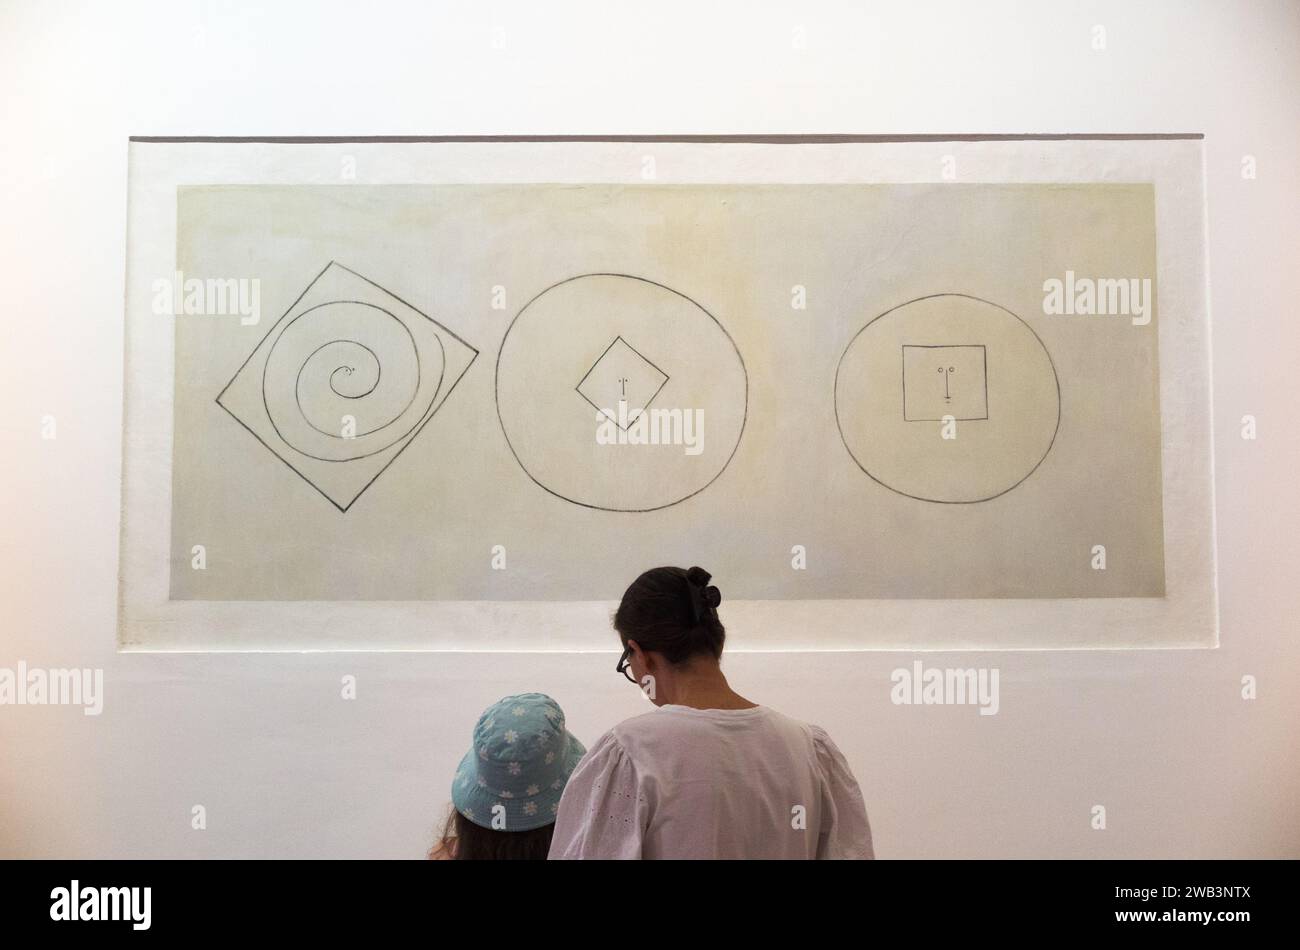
(712, 783)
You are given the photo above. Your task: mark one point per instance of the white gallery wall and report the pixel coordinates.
(1164, 740)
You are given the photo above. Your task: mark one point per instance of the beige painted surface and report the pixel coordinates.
(805, 439)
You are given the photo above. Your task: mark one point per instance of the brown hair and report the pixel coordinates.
(673, 611)
(462, 840)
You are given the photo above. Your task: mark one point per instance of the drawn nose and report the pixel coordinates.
(947, 373)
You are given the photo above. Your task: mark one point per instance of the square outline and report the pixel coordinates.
(408, 439)
(946, 346)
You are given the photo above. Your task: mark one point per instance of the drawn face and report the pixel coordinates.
(943, 381)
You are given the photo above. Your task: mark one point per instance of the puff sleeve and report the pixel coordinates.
(845, 832)
(603, 812)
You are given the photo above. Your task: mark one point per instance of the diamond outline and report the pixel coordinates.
(605, 412)
(409, 439)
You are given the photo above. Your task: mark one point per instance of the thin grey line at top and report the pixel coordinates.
(740, 138)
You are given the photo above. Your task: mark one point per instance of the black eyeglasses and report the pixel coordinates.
(624, 664)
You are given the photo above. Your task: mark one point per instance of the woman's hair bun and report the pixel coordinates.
(671, 610)
(709, 597)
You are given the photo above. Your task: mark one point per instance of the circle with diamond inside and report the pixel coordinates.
(948, 398)
(621, 394)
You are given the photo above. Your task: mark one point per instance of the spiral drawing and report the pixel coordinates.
(345, 380)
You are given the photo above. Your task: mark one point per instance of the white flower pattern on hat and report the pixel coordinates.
(519, 742)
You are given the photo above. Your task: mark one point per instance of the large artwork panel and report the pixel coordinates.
(881, 426)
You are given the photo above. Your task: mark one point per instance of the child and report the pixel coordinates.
(507, 788)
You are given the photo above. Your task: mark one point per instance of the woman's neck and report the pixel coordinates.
(702, 686)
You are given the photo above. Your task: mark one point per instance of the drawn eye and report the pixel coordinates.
(952, 369)
(939, 370)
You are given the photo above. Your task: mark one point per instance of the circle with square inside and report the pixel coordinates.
(948, 398)
(618, 393)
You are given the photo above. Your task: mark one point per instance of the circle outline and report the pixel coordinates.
(835, 400)
(496, 392)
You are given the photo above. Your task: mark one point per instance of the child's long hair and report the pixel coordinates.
(462, 840)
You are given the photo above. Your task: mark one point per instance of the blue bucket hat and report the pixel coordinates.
(520, 759)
